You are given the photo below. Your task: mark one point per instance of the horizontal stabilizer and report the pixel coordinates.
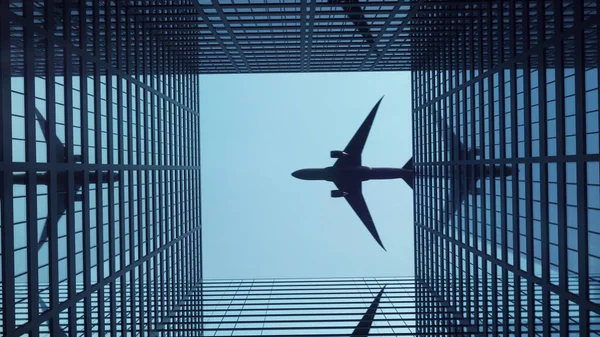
(409, 166)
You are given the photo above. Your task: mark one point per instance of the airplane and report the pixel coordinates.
(62, 178)
(348, 173)
(364, 325)
(458, 173)
(355, 14)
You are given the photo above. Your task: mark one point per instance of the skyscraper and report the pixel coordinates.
(517, 82)
(100, 166)
(318, 307)
(102, 97)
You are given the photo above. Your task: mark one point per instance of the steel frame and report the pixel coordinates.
(485, 225)
(126, 243)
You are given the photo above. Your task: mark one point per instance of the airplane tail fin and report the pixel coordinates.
(409, 166)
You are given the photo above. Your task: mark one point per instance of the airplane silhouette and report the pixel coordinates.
(348, 173)
(62, 178)
(364, 325)
(459, 173)
(45, 307)
(356, 15)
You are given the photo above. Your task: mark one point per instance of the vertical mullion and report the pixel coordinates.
(561, 178)
(169, 181)
(479, 86)
(504, 160)
(162, 107)
(139, 170)
(515, 155)
(199, 257)
(492, 155)
(98, 161)
(131, 89)
(484, 218)
(152, 186)
(31, 182)
(110, 161)
(85, 159)
(6, 184)
(582, 222)
(53, 195)
(68, 115)
(140, 223)
(541, 36)
(120, 92)
(172, 284)
(171, 233)
(468, 289)
(147, 107)
(198, 274)
(530, 241)
(515, 217)
(463, 231)
(443, 254)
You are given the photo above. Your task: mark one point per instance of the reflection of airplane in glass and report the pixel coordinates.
(347, 173)
(459, 173)
(356, 14)
(364, 326)
(62, 203)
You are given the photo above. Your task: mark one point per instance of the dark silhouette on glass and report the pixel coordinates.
(348, 173)
(356, 14)
(459, 173)
(364, 326)
(62, 203)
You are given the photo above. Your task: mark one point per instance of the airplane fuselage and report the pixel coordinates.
(357, 173)
(490, 171)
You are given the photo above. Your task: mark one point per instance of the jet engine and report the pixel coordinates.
(338, 193)
(337, 154)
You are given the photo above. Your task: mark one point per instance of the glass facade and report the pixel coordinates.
(320, 307)
(100, 172)
(100, 164)
(518, 82)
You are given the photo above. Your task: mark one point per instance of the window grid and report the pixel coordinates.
(531, 228)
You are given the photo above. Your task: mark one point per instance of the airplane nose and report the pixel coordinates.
(295, 174)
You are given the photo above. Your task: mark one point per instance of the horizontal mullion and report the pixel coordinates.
(33, 167)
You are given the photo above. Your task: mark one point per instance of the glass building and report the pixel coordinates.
(100, 172)
(510, 84)
(100, 163)
(321, 307)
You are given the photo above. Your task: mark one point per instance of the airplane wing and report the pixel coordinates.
(357, 143)
(61, 207)
(358, 204)
(364, 326)
(452, 203)
(61, 149)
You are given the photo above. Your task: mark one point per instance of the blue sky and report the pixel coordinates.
(259, 221)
